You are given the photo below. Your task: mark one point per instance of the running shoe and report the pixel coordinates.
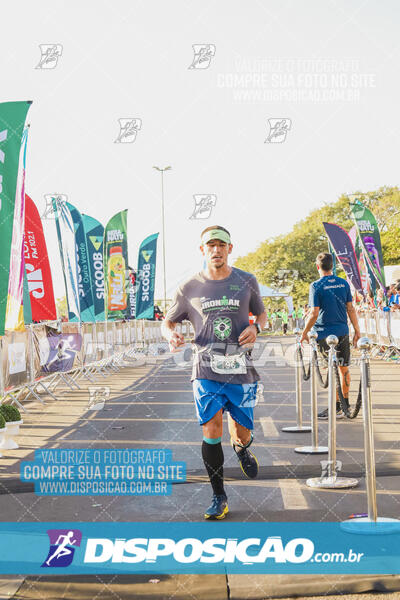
(248, 462)
(218, 508)
(323, 415)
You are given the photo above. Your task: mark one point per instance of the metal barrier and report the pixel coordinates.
(54, 355)
(299, 407)
(314, 448)
(370, 476)
(383, 330)
(331, 480)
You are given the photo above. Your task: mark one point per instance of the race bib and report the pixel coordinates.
(232, 364)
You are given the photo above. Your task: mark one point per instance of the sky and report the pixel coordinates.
(296, 104)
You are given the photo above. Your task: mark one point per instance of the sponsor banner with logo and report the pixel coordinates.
(132, 294)
(37, 266)
(360, 258)
(237, 548)
(370, 239)
(345, 253)
(116, 274)
(15, 309)
(14, 360)
(368, 280)
(67, 246)
(147, 277)
(12, 151)
(59, 351)
(82, 261)
(94, 232)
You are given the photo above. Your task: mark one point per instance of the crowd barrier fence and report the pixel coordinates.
(382, 327)
(34, 362)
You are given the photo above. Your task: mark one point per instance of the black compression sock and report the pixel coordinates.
(213, 457)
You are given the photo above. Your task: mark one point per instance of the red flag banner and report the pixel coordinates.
(37, 266)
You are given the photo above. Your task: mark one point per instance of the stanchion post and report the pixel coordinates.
(370, 476)
(299, 428)
(331, 480)
(314, 448)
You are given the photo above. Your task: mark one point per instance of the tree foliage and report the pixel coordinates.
(297, 249)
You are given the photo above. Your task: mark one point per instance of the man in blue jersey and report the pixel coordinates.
(330, 303)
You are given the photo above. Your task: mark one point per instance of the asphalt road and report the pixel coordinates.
(151, 406)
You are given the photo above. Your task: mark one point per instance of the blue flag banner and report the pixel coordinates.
(67, 246)
(146, 277)
(345, 253)
(94, 232)
(82, 259)
(158, 547)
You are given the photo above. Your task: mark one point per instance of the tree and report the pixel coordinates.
(297, 249)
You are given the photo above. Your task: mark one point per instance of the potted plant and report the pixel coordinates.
(13, 420)
(2, 430)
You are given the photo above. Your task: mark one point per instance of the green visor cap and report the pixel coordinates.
(216, 234)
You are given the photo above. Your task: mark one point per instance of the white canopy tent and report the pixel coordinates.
(267, 292)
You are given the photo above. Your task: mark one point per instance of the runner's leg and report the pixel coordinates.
(212, 453)
(241, 438)
(239, 434)
(345, 380)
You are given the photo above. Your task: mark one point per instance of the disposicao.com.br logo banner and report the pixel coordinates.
(243, 548)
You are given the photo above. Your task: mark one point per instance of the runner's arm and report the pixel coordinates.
(262, 320)
(351, 311)
(174, 338)
(249, 335)
(311, 320)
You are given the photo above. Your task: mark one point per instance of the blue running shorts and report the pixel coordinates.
(238, 399)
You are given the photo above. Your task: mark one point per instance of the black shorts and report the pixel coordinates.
(342, 350)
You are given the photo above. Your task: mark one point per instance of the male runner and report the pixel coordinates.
(217, 302)
(330, 302)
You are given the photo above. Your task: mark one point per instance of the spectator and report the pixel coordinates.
(285, 320)
(394, 301)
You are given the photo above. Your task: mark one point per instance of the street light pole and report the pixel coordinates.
(163, 231)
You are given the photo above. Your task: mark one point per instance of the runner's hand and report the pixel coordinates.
(356, 337)
(248, 335)
(304, 338)
(176, 341)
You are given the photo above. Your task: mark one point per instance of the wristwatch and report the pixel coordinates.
(257, 326)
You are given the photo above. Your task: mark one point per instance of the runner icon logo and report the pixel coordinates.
(222, 327)
(59, 204)
(203, 205)
(203, 53)
(50, 53)
(278, 129)
(128, 129)
(61, 551)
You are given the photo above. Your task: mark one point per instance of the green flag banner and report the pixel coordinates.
(116, 276)
(12, 125)
(82, 261)
(27, 302)
(147, 276)
(370, 239)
